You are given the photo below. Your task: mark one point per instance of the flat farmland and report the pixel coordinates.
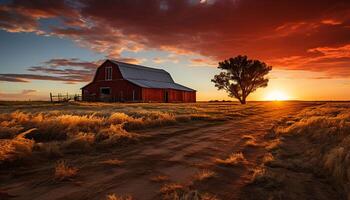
(218, 150)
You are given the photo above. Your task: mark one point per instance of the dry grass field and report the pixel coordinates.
(219, 150)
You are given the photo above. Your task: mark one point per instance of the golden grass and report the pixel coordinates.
(174, 191)
(118, 118)
(160, 178)
(268, 158)
(248, 137)
(170, 188)
(112, 162)
(251, 143)
(258, 173)
(273, 144)
(16, 148)
(64, 172)
(80, 127)
(80, 142)
(117, 197)
(233, 159)
(204, 174)
(323, 135)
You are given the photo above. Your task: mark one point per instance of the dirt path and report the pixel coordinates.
(178, 152)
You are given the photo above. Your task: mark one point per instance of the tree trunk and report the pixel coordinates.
(243, 101)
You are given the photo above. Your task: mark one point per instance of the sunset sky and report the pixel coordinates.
(55, 46)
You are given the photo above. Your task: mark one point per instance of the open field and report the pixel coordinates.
(262, 150)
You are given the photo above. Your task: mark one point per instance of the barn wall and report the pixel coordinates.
(121, 90)
(152, 95)
(181, 96)
(174, 96)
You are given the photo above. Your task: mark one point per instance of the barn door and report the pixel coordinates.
(105, 94)
(166, 96)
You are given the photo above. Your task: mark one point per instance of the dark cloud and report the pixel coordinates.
(70, 71)
(73, 62)
(40, 77)
(287, 34)
(11, 79)
(67, 70)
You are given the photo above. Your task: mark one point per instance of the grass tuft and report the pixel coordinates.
(117, 197)
(233, 159)
(204, 174)
(64, 172)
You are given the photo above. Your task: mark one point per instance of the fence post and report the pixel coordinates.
(51, 97)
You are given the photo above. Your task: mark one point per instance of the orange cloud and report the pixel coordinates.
(308, 35)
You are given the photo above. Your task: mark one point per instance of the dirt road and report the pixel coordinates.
(177, 152)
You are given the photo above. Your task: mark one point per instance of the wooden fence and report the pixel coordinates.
(64, 97)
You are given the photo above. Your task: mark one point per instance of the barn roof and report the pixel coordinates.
(148, 77)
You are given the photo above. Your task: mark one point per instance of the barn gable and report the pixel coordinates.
(147, 77)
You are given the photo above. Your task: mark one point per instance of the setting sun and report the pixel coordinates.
(276, 96)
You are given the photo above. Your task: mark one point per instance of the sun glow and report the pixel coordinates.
(276, 96)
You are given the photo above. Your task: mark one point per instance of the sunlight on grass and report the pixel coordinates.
(160, 178)
(64, 172)
(233, 159)
(117, 197)
(112, 162)
(81, 127)
(204, 174)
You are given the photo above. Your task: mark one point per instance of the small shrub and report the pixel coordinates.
(114, 135)
(160, 178)
(204, 174)
(119, 118)
(248, 137)
(170, 188)
(251, 143)
(64, 172)
(233, 159)
(117, 197)
(258, 173)
(268, 158)
(266, 178)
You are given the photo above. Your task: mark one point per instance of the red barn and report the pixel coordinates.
(122, 82)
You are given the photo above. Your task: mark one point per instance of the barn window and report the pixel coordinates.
(108, 74)
(105, 91)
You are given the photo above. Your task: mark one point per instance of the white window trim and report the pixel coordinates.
(108, 76)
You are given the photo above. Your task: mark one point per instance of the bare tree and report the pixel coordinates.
(241, 77)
